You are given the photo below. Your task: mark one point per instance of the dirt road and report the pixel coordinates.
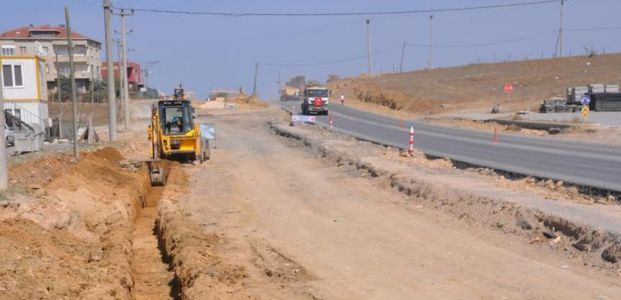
(305, 229)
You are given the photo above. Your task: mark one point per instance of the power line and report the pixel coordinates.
(330, 62)
(520, 39)
(594, 29)
(333, 14)
(494, 43)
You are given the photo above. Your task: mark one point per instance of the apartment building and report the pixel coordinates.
(50, 43)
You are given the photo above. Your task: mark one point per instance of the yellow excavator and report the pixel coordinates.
(173, 135)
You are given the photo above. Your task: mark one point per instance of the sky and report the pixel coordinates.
(218, 52)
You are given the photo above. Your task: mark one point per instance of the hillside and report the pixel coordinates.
(477, 87)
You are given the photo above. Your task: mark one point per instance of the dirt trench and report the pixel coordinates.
(150, 268)
(82, 229)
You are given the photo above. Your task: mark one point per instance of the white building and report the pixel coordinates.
(24, 88)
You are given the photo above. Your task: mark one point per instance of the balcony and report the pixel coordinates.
(65, 59)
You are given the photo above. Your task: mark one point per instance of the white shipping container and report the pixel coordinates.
(25, 92)
(597, 88)
(612, 88)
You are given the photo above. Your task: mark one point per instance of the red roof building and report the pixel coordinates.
(42, 32)
(134, 73)
(50, 43)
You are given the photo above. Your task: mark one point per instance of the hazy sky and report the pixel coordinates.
(207, 52)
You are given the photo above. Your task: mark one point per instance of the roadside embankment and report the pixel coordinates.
(587, 234)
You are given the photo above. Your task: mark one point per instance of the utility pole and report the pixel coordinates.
(4, 177)
(92, 84)
(146, 71)
(429, 59)
(256, 73)
(124, 81)
(369, 45)
(110, 85)
(560, 31)
(60, 102)
(146, 78)
(74, 97)
(402, 57)
(119, 53)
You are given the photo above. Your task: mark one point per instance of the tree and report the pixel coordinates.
(100, 91)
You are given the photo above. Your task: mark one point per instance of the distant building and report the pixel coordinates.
(224, 94)
(50, 43)
(134, 74)
(23, 88)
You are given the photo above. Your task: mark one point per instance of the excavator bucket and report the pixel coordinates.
(156, 173)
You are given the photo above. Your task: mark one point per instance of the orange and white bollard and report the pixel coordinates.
(411, 148)
(331, 122)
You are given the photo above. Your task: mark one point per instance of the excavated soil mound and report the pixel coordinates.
(72, 238)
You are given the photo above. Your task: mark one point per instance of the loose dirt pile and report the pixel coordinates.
(478, 87)
(465, 195)
(71, 237)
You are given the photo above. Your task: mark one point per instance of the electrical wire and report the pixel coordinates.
(332, 62)
(332, 14)
(509, 41)
(593, 29)
(495, 43)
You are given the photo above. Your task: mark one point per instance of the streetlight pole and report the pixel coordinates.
(429, 59)
(256, 74)
(560, 32)
(369, 45)
(402, 57)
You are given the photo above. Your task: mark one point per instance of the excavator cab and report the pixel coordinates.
(173, 135)
(176, 117)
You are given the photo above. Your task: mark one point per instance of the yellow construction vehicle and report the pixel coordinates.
(173, 135)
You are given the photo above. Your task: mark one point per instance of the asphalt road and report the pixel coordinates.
(588, 164)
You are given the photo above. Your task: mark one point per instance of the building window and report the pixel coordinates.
(12, 75)
(46, 51)
(22, 50)
(7, 75)
(17, 72)
(7, 50)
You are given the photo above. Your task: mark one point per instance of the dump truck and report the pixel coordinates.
(315, 99)
(289, 93)
(174, 136)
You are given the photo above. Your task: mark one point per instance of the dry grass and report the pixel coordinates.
(480, 86)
